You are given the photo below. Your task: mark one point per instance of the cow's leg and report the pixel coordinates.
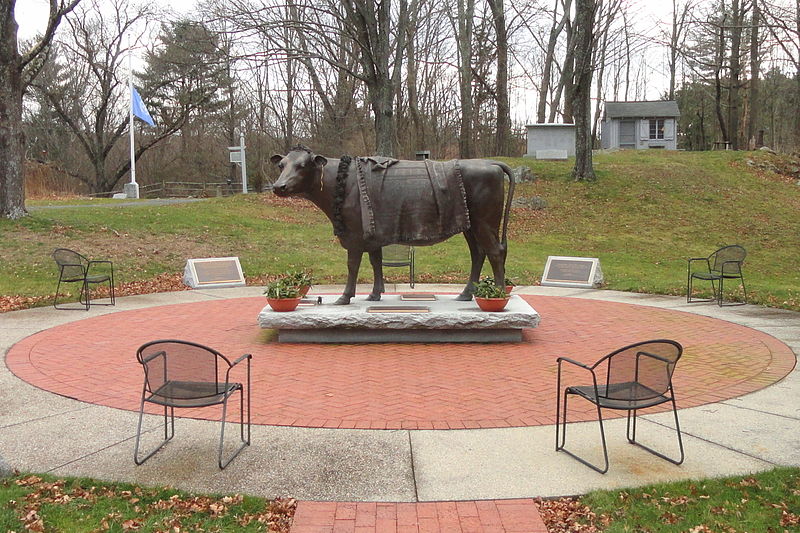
(495, 250)
(353, 263)
(477, 256)
(376, 260)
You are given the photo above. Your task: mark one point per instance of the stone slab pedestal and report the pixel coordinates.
(447, 321)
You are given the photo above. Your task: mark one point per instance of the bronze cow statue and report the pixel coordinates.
(374, 202)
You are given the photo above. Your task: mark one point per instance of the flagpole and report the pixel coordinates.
(132, 188)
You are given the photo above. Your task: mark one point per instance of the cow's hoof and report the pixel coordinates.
(464, 297)
(374, 297)
(343, 300)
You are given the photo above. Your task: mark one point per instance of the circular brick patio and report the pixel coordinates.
(392, 386)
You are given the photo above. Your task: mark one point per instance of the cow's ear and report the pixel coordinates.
(276, 159)
(320, 161)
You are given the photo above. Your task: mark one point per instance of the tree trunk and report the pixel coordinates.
(12, 141)
(720, 57)
(466, 15)
(755, 67)
(503, 133)
(382, 99)
(584, 45)
(737, 11)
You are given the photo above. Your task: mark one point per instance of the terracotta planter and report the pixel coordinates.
(509, 288)
(491, 304)
(304, 290)
(282, 305)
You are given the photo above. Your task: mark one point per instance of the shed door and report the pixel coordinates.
(627, 134)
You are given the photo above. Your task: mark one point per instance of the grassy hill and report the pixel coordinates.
(647, 213)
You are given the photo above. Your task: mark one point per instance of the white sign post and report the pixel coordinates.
(237, 155)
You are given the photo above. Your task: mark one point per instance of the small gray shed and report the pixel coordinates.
(640, 125)
(551, 141)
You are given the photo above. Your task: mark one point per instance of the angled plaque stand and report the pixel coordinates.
(579, 272)
(215, 272)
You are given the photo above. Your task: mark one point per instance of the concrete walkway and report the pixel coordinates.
(45, 432)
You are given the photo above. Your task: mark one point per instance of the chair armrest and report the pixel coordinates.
(722, 270)
(242, 358)
(90, 263)
(655, 356)
(693, 259)
(153, 356)
(574, 362)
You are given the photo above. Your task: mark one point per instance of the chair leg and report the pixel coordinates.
(169, 432)
(67, 307)
(85, 294)
(111, 287)
(631, 434)
(730, 304)
(222, 464)
(55, 298)
(560, 447)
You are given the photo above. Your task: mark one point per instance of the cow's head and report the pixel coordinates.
(301, 170)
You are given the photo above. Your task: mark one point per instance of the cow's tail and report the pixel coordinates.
(507, 210)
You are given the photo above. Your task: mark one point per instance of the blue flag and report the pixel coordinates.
(138, 107)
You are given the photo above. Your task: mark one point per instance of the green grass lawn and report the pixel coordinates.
(646, 214)
(768, 502)
(48, 504)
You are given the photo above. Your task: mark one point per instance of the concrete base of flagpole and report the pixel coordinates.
(131, 190)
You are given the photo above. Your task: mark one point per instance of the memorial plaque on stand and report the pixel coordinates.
(215, 272)
(580, 272)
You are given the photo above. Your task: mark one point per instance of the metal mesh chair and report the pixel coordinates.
(400, 255)
(75, 268)
(631, 378)
(725, 263)
(185, 374)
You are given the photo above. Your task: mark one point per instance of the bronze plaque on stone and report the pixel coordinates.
(581, 272)
(213, 272)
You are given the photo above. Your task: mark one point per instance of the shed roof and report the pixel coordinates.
(662, 108)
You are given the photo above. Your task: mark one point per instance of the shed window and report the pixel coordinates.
(656, 128)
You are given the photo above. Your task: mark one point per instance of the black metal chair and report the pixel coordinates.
(75, 268)
(631, 378)
(186, 374)
(725, 263)
(400, 255)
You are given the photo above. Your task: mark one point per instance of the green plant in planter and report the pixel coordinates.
(301, 278)
(490, 279)
(486, 288)
(283, 287)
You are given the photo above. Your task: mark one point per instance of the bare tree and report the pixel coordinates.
(465, 15)
(783, 23)
(585, 16)
(680, 13)
(13, 65)
(739, 10)
(503, 125)
(753, 139)
(556, 28)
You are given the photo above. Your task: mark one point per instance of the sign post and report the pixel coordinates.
(237, 155)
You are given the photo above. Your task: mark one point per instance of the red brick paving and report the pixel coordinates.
(391, 386)
(492, 516)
